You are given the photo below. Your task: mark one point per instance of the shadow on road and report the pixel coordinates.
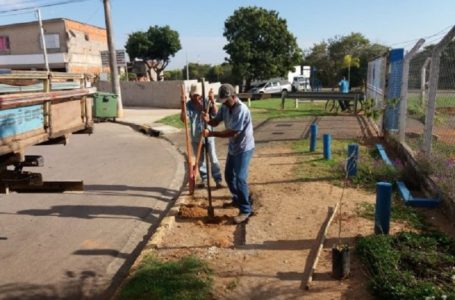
(162, 194)
(82, 286)
(94, 211)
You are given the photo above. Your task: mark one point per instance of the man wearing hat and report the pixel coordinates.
(194, 108)
(239, 129)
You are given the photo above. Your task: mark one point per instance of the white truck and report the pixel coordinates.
(300, 78)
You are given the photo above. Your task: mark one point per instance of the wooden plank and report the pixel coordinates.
(308, 275)
(65, 115)
(26, 99)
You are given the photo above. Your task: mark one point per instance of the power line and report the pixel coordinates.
(40, 6)
(437, 34)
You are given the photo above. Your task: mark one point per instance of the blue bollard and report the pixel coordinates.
(313, 137)
(383, 207)
(353, 156)
(327, 141)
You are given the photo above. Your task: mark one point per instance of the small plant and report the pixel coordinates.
(370, 109)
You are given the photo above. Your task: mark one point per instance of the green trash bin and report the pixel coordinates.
(104, 106)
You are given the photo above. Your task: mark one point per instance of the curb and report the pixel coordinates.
(169, 215)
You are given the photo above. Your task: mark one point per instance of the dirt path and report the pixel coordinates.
(267, 257)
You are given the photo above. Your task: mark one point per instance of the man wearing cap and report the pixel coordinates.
(194, 108)
(239, 129)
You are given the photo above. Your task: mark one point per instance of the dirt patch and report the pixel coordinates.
(268, 257)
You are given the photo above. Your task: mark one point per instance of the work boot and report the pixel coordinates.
(202, 184)
(230, 204)
(219, 185)
(242, 217)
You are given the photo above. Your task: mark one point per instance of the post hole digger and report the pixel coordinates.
(210, 210)
(191, 113)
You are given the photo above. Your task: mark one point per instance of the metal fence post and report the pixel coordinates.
(423, 83)
(434, 79)
(404, 90)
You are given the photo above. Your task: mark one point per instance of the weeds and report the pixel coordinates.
(400, 213)
(409, 265)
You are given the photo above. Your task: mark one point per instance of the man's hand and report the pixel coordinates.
(205, 117)
(206, 133)
(212, 96)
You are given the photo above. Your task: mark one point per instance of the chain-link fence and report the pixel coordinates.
(418, 112)
(375, 90)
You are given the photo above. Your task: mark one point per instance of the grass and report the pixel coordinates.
(313, 167)
(186, 279)
(400, 212)
(172, 120)
(370, 168)
(409, 265)
(268, 109)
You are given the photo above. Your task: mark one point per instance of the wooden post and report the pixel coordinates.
(423, 82)
(296, 103)
(249, 102)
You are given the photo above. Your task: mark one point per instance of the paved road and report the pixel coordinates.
(71, 246)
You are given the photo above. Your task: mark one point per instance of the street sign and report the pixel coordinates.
(120, 55)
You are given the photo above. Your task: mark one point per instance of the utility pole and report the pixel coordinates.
(43, 39)
(115, 81)
(187, 69)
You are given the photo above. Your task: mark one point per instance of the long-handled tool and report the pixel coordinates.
(210, 210)
(189, 152)
(199, 147)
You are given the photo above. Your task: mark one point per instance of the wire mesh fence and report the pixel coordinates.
(443, 129)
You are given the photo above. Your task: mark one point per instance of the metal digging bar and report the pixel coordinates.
(210, 210)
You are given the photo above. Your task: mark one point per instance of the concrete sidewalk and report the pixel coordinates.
(148, 117)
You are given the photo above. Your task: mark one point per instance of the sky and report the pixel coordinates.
(200, 23)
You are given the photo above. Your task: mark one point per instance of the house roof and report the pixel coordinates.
(48, 21)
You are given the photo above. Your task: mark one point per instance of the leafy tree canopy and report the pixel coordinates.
(343, 56)
(155, 47)
(259, 44)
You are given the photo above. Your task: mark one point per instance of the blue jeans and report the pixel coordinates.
(236, 175)
(215, 165)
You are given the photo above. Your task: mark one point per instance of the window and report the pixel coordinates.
(4, 43)
(52, 41)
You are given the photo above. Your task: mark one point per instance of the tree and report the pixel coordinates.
(259, 44)
(155, 47)
(173, 75)
(343, 55)
(350, 61)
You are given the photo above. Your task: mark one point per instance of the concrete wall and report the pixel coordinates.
(160, 94)
(24, 38)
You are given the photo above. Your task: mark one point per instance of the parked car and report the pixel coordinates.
(272, 86)
(301, 84)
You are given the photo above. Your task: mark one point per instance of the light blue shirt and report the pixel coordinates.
(344, 86)
(237, 118)
(196, 123)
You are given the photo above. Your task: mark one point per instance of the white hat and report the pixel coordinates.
(194, 89)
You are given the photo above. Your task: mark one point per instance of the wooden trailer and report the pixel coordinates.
(35, 108)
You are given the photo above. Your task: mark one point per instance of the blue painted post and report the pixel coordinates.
(327, 141)
(383, 207)
(313, 137)
(353, 156)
